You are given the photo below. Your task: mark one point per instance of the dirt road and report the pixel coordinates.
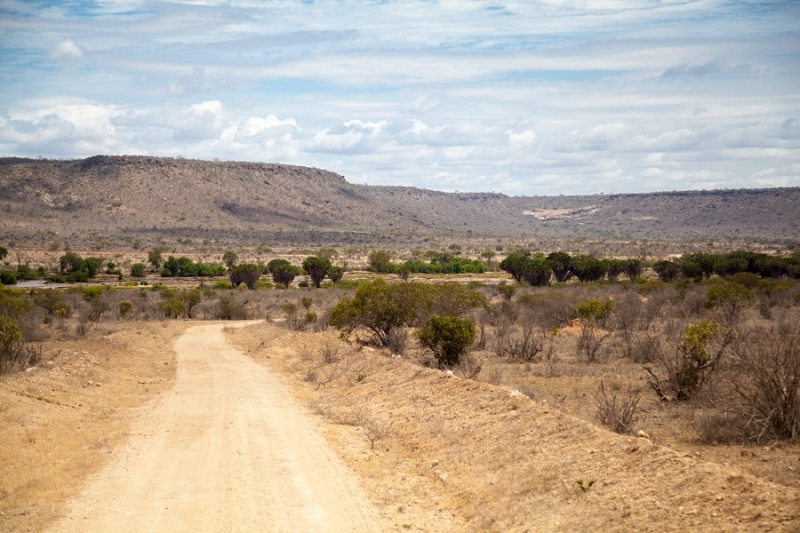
(227, 449)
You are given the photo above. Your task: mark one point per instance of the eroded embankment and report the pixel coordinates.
(443, 453)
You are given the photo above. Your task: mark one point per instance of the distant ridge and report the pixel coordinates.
(122, 200)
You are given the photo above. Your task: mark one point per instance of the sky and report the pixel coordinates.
(539, 97)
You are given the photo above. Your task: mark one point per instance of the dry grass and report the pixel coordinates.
(461, 455)
(61, 419)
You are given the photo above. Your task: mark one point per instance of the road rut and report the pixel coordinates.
(226, 450)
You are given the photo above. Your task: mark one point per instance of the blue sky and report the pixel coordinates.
(534, 97)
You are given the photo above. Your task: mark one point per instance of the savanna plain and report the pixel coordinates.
(449, 390)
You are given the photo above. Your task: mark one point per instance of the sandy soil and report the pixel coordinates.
(459, 455)
(227, 449)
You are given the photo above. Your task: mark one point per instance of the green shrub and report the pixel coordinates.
(379, 306)
(448, 337)
(125, 308)
(561, 264)
(263, 284)
(594, 309)
(229, 257)
(174, 307)
(311, 317)
(746, 279)
(8, 278)
(138, 270)
(335, 274)
(506, 290)
(730, 297)
(27, 273)
(380, 261)
(80, 276)
(222, 284)
(92, 293)
(514, 263)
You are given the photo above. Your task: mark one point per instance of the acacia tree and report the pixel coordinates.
(229, 257)
(155, 258)
(380, 261)
(316, 268)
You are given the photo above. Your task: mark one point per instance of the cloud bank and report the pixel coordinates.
(541, 97)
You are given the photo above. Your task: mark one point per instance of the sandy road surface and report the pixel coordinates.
(225, 450)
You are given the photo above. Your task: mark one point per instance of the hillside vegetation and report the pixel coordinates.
(123, 202)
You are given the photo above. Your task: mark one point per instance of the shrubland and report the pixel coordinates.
(700, 360)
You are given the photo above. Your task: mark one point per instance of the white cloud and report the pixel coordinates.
(523, 138)
(522, 97)
(66, 50)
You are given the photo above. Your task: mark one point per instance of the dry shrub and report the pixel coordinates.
(641, 347)
(616, 414)
(692, 304)
(767, 385)
(468, 366)
(693, 364)
(397, 340)
(590, 341)
(524, 346)
(330, 352)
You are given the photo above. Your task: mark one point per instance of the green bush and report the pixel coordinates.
(8, 278)
(263, 284)
(746, 279)
(379, 306)
(174, 307)
(125, 308)
(78, 277)
(380, 261)
(594, 309)
(92, 293)
(25, 272)
(335, 274)
(138, 270)
(506, 290)
(632, 268)
(222, 284)
(448, 337)
(561, 264)
(730, 297)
